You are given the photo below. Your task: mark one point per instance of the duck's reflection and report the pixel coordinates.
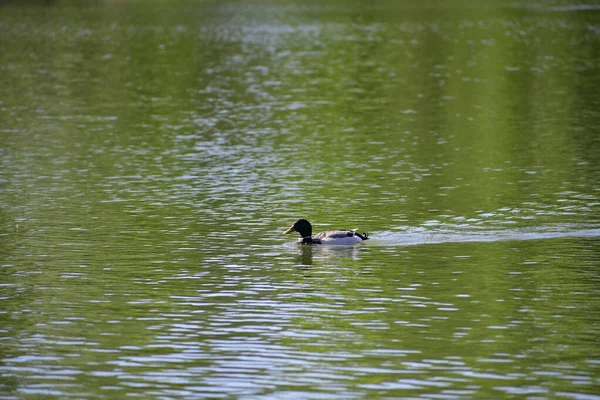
(307, 254)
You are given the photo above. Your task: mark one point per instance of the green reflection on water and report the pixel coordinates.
(152, 153)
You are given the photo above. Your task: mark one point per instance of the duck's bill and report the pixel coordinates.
(290, 229)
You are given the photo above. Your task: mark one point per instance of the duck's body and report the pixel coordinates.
(340, 237)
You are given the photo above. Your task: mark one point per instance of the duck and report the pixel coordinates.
(337, 237)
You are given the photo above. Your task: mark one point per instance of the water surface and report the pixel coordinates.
(151, 156)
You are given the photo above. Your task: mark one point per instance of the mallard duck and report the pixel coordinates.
(304, 228)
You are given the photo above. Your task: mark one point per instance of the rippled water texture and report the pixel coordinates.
(152, 153)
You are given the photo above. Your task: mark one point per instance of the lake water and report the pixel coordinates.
(151, 155)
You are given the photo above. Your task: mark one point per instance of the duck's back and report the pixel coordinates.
(334, 234)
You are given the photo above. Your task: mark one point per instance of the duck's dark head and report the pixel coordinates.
(302, 226)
